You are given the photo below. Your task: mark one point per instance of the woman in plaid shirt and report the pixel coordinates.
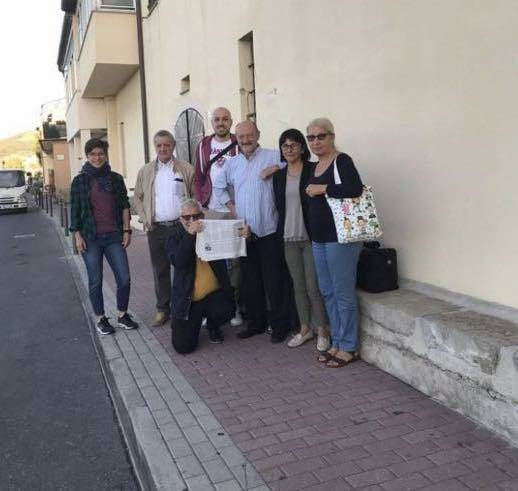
(100, 222)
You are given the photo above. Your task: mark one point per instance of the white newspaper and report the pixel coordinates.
(220, 240)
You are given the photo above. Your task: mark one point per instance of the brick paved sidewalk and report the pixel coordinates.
(304, 426)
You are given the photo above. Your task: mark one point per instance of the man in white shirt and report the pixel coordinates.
(161, 186)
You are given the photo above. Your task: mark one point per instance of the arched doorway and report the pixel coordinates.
(188, 131)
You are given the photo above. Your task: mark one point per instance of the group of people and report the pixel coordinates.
(295, 274)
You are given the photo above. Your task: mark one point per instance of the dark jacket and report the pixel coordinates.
(279, 190)
(180, 248)
(81, 216)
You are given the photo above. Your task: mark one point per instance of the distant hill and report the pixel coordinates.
(20, 151)
(23, 145)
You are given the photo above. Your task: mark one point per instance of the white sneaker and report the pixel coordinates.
(237, 320)
(322, 343)
(299, 339)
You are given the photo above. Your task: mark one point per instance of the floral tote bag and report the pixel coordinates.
(356, 219)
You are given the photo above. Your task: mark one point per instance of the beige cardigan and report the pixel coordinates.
(144, 201)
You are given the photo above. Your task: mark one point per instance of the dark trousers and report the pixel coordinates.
(157, 239)
(107, 246)
(264, 276)
(217, 307)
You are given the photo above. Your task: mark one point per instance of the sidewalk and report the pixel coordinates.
(298, 424)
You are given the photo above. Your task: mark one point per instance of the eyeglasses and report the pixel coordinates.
(319, 137)
(290, 146)
(96, 154)
(194, 216)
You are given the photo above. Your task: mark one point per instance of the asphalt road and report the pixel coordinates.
(58, 430)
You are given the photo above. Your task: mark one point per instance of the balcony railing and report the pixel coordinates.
(86, 7)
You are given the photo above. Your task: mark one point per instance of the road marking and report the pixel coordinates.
(24, 236)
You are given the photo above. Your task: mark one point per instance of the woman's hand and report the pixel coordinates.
(126, 239)
(80, 243)
(194, 227)
(268, 171)
(316, 190)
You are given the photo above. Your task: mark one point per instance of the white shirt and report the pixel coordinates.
(216, 169)
(169, 192)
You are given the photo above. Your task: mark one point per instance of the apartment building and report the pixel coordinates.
(54, 149)
(421, 94)
(99, 60)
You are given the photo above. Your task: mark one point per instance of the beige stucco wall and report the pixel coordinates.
(61, 164)
(422, 95)
(84, 113)
(129, 113)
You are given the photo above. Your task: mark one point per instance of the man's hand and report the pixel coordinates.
(80, 243)
(316, 190)
(245, 232)
(232, 209)
(126, 239)
(194, 227)
(269, 171)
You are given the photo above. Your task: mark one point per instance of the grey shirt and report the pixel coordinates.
(294, 228)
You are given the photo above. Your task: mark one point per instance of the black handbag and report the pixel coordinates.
(377, 268)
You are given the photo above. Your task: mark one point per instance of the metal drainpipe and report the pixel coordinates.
(142, 73)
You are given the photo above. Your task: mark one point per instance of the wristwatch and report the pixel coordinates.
(128, 231)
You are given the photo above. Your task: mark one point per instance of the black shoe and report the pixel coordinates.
(126, 322)
(248, 333)
(103, 326)
(278, 337)
(215, 335)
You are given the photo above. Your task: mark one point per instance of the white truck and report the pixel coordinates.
(12, 190)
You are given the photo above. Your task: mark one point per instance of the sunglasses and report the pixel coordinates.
(319, 137)
(195, 216)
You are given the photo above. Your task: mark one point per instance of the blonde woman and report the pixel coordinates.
(335, 263)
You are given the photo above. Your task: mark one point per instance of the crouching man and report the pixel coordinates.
(200, 289)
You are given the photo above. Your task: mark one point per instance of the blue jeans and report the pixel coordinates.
(109, 246)
(336, 272)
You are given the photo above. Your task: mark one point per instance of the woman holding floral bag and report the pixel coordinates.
(335, 262)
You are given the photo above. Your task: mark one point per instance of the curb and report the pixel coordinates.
(173, 439)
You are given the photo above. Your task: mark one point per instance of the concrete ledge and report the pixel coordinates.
(464, 359)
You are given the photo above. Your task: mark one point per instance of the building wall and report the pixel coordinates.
(421, 94)
(61, 164)
(129, 130)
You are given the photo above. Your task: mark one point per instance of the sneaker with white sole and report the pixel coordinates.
(299, 339)
(103, 326)
(323, 343)
(237, 320)
(126, 322)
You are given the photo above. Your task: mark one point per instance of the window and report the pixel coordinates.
(185, 84)
(247, 76)
(118, 4)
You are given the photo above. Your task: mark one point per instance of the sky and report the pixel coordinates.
(29, 41)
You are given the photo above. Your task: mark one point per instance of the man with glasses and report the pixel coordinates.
(201, 289)
(264, 269)
(161, 186)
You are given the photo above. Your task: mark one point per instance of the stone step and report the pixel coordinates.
(465, 359)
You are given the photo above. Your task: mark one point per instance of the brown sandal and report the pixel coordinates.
(326, 356)
(340, 362)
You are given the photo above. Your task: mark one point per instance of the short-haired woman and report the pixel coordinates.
(100, 221)
(335, 263)
(289, 186)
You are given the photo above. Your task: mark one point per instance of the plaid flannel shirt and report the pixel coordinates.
(81, 216)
